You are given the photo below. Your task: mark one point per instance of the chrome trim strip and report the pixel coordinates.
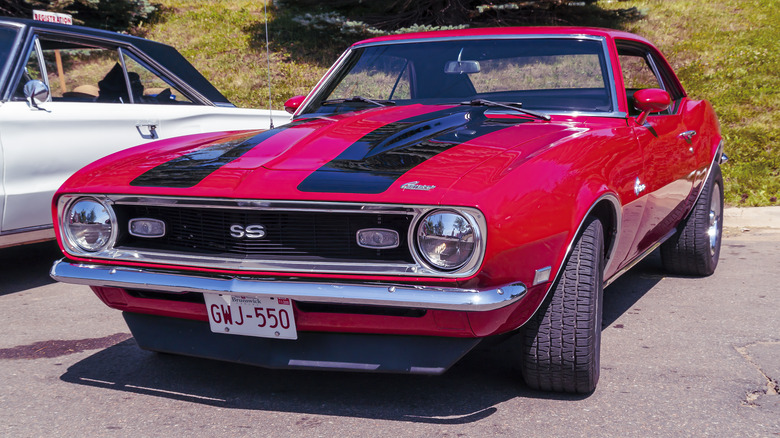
(715, 159)
(611, 78)
(126, 75)
(423, 297)
(418, 268)
(618, 228)
(27, 235)
(42, 64)
(480, 37)
(639, 258)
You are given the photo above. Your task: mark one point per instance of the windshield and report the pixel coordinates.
(7, 37)
(548, 74)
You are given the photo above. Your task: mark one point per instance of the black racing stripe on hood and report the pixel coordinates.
(190, 169)
(373, 163)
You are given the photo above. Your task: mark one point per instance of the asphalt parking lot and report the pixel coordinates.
(680, 357)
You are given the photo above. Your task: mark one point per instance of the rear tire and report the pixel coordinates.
(562, 342)
(695, 248)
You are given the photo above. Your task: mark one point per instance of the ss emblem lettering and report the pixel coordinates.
(250, 231)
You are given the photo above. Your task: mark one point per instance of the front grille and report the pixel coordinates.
(289, 235)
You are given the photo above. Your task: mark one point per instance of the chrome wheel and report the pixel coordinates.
(716, 214)
(695, 248)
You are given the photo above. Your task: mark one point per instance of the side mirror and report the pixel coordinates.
(293, 103)
(36, 93)
(650, 100)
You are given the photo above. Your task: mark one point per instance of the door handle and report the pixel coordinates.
(687, 136)
(147, 130)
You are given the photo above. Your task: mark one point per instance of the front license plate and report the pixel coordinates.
(264, 317)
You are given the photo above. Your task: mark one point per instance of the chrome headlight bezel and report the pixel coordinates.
(469, 263)
(71, 242)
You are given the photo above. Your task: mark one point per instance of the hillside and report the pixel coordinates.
(726, 51)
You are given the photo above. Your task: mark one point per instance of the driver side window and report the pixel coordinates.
(79, 72)
(639, 72)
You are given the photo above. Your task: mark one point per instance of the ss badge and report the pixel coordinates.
(250, 231)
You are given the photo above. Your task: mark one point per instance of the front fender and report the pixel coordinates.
(535, 207)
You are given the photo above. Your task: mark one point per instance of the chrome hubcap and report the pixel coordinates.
(713, 231)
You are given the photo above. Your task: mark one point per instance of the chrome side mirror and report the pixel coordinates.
(36, 93)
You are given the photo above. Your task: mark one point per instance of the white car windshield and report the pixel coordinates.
(7, 37)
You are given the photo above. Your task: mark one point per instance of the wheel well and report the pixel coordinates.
(606, 213)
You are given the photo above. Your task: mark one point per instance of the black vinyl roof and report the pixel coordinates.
(165, 55)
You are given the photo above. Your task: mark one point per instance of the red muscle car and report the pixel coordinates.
(433, 190)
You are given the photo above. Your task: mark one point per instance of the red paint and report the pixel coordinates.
(535, 182)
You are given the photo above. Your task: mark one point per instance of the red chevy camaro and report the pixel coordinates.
(434, 190)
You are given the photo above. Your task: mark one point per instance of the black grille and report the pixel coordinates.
(290, 235)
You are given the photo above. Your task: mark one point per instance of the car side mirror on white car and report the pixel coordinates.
(36, 93)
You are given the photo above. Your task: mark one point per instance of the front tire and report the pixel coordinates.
(562, 342)
(695, 248)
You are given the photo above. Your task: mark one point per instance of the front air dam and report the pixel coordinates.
(333, 351)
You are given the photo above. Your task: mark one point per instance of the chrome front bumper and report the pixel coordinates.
(410, 296)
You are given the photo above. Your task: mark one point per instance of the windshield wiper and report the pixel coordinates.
(377, 102)
(515, 106)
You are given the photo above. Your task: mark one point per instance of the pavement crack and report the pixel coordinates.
(772, 387)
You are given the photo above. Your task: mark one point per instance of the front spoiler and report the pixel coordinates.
(373, 294)
(322, 351)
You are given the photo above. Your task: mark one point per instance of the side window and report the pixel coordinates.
(79, 72)
(639, 72)
(75, 72)
(149, 87)
(385, 77)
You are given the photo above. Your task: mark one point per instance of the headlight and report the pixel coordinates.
(446, 239)
(88, 224)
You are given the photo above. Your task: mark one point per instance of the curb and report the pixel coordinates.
(752, 217)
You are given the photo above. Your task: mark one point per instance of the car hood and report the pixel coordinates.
(400, 152)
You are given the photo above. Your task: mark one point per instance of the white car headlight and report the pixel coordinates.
(446, 239)
(88, 224)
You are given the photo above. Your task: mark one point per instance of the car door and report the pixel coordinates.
(669, 160)
(103, 99)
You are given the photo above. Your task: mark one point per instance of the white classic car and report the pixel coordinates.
(70, 95)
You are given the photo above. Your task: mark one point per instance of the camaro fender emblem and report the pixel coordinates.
(250, 231)
(414, 185)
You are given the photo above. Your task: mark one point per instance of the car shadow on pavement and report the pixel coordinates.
(628, 289)
(467, 393)
(27, 266)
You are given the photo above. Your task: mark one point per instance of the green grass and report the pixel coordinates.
(728, 52)
(725, 51)
(222, 39)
